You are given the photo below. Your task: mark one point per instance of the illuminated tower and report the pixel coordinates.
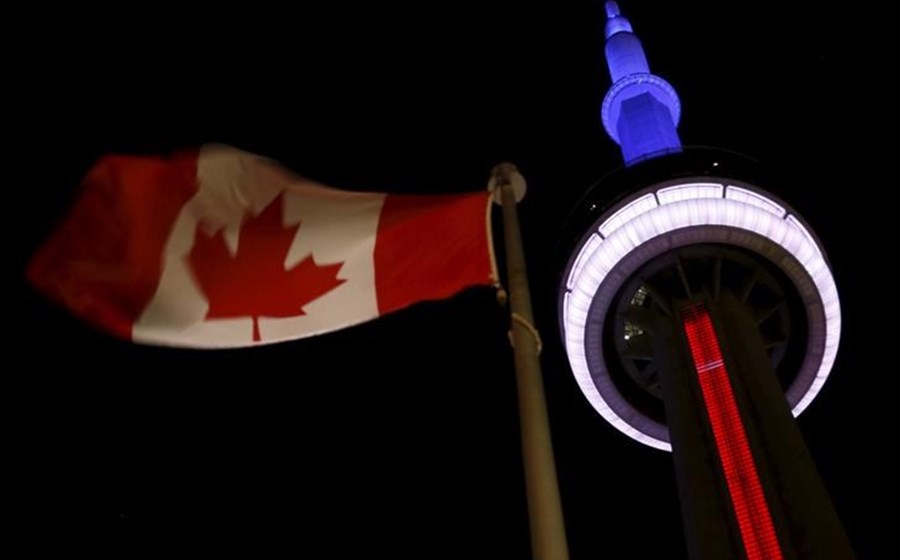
(700, 315)
(641, 110)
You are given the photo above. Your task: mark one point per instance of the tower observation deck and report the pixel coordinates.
(700, 315)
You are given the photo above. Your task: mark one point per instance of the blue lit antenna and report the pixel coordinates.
(641, 110)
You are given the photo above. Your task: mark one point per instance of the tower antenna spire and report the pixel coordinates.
(612, 9)
(641, 110)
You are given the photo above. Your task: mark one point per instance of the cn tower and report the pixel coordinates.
(700, 315)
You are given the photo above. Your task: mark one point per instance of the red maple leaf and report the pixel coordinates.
(254, 282)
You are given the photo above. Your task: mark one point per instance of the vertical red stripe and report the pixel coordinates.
(105, 260)
(741, 477)
(430, 247)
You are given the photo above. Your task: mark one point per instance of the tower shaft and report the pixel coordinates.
(748, 486)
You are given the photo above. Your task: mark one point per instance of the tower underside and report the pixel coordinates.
(700, 315)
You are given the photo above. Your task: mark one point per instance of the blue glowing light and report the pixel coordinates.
(640, 111)
(615, 22)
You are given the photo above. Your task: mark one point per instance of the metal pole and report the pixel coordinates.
(548, 534)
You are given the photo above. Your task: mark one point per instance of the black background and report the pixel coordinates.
(399, 438)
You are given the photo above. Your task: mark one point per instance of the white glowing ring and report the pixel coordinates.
(677, 206)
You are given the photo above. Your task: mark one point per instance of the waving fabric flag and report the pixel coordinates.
(219, 248)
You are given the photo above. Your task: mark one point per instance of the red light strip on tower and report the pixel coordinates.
(750, 507)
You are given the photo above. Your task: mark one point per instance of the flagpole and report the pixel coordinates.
(548, 534)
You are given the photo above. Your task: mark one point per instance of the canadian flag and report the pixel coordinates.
(221, 248)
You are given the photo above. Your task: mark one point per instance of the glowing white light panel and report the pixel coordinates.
(676, 207)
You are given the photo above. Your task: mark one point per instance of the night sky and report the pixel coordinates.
(399, 438)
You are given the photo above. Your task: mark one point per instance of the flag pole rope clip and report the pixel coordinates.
(530, 328)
